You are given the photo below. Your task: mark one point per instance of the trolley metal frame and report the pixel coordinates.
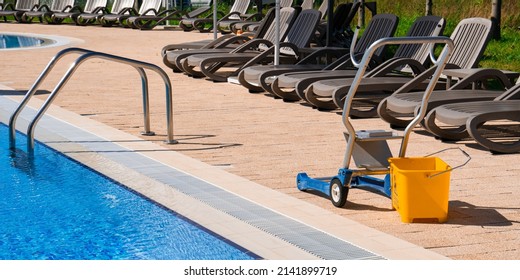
(369, 148)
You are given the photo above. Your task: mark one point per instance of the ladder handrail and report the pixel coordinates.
(88, 54)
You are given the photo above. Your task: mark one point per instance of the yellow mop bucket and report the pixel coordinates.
(420, 188)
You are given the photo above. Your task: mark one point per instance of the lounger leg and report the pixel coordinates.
(457, 133)
(289, 95)
(316, 100)
(506, 146)
(246, 84)
(385, 115)
(188, 69)
(209, 67)
(300, 88)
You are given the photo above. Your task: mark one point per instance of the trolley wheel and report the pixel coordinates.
(338, 193)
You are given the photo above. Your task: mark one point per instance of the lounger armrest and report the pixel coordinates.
(44, 8)
(229, 39)
(327, 53)
(395, 63)
(252, 44)
(481, 75)
(412, 84)
(150, 11)
(286, 48)
(100, 9)
(231, 14)
(9, 6)
(76, 8)
(220, 14)
(129, 10)
(67, 9)
(346, 62)
(259, 58)
(169, 13)
(253, 17)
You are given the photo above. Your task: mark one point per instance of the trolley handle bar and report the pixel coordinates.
(446, 53)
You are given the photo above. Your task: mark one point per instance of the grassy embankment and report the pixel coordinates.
(502, 54)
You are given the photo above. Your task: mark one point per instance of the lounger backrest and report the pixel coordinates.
(470, 37)
(340, 14)
(147, 5)
(239, 7)
(511, 94)
(380, 26)
(423, 26)
(303, 28)
(287, 17)
(198, 11)
(308, 4)
(119, 5)
(286, 3)
(93, 4)
(25, 5)
(60, 5)
(265, 23)
(323, 8)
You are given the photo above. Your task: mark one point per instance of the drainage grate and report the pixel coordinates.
(296, 233)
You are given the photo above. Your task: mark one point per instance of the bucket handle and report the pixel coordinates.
(468, 158)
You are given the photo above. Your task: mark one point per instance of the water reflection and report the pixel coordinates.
(16, 41)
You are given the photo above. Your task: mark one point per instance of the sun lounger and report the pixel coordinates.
(470, 37)
(18, 9)
(44, 11)
(398, 108)
(151, 20)
(148, 7)
(174, 54)
(286, 85)
(119, 7)
(299, 36)
(212, 43)
(243, 25)
(91, 6)
(492, 124)
(205, 24)
(255, 78)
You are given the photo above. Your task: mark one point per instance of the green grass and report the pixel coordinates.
(502, 54)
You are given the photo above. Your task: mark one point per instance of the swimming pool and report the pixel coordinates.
(25, 41)
(53, 207)
(8, 41)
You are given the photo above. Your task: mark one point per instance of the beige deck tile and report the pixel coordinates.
(268, 141)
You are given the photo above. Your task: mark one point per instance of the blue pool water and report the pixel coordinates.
(18, 41)
(52, 207)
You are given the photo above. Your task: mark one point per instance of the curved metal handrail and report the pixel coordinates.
(88, 54)
(446, 53)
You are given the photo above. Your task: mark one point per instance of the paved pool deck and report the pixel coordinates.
(252, 145)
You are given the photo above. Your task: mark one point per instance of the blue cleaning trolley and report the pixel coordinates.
(369, 148)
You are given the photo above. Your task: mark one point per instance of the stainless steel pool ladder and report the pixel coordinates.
(85, 55)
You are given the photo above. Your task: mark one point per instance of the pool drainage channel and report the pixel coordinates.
(300, 235)
(309, 239)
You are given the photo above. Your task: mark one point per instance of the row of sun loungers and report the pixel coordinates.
(122, 12)
(460, 107)
(150, 14)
